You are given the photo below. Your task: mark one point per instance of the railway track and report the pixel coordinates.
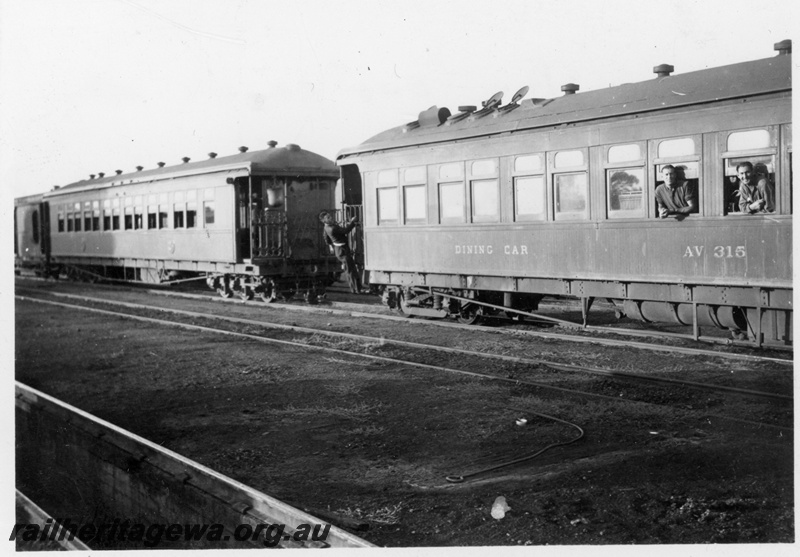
(554, 377)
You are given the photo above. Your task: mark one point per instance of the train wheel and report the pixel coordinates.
(224, 292)
(401, 306)
(246, 293)
(470, 314)
(268, 292)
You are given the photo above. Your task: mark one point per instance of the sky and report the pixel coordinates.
(90, 86)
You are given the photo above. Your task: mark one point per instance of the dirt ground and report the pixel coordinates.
(373, 442)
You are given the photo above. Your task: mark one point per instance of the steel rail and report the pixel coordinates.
(460, 351)
(305, 346)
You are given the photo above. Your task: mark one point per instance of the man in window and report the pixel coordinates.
(675, 197)
(756, 193)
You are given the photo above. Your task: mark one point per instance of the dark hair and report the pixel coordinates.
(322, 215)
(748, 164)
(666, 166)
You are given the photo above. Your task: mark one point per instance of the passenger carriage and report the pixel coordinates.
(247, 223)
(497, 207)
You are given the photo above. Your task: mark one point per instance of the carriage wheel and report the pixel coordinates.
(224, 291)
(470, 314)
(401, 307)
(246, 293)
(268, 292)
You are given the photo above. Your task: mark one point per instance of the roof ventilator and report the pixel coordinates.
(514, 102)
(663, 70)
(139, 168)
(242, 149)
(212, 155)
(463, 112)
(570, 88)
(434, 116)
(185, 160)
(161, 164)
(489, 105)
(784, 47)
(272, 144)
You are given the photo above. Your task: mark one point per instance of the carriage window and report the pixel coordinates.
(565, 159)
(414, 175)
(70, 222)
(87, 216)
(128, 218)
(451, 170)
(753, 139)
(624, 153)
(208, 213)
(485, 201)
(191, 214)
(484, 168)
(61, 218)
(191, 209)
(529, 198)
(177, 216)
(625, 192)
(763, 168)
(676, 147)
(138, 218)
(163, 216)
(95, 215)
(387, 206)
(414, 204)
(528, 163)
(684, 172)
(35, 226)
(387, 178)
(451, 202)
(106, 214)
(570, 196)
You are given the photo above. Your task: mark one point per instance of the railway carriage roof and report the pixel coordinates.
(289, 160)
(758, 77)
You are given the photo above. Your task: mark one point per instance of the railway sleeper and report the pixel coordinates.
(760, 326)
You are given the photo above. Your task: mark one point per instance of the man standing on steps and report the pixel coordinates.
(336, 236)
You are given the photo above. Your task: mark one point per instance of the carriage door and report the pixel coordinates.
(244, 208)
(352, 206)
(305, 198)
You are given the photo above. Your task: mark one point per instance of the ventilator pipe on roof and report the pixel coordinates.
(663, 70)
(139, 168)
(272, 143)
(784, 47)
(91, 176)
(161, 164)
(185, 160)
(570, 88)
(243, 149)
(118, 172)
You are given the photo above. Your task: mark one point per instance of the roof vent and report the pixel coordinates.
(663, 70)
(784, 47)
(570, 88)
(118, 172)
(242, 149)
(101, 174)
(91, 176)
(139, 168)
(161, 164)
(185, 160)
(292, 147)
(56, 188)
(272, 144)
(212, 155)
